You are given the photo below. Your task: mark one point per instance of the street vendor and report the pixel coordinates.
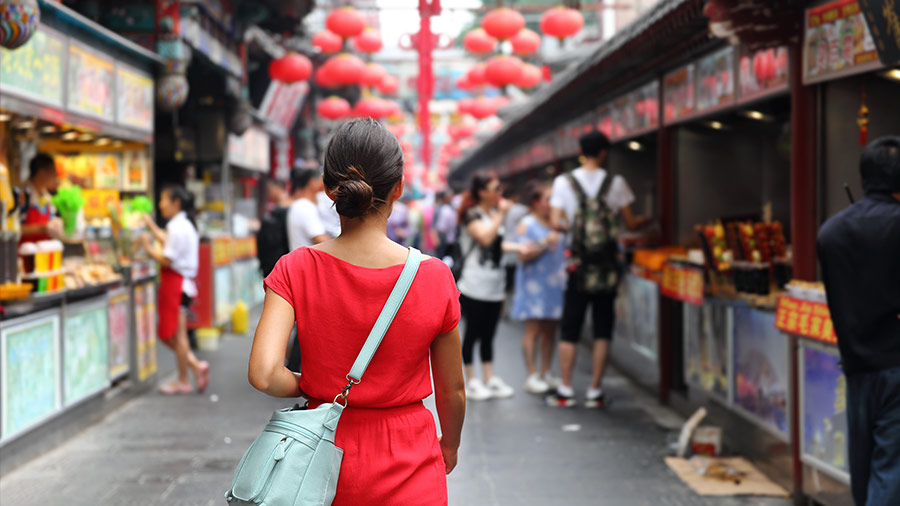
(179, 262)
(39, 221)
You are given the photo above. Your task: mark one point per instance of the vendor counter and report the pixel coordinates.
(60, 350)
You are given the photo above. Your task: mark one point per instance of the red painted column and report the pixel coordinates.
(665, 213)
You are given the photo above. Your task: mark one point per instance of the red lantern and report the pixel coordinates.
(372, 75)
(503, 23)
(463, 82)
(547, 73)
(500, 101)
(328, 42)
(478, 41)
(503, 70)
(476, 75)
(531, 76)
(369, 41)
(323, 79)
(345, 69)
(483, 108)
(290, 68)
(464, 105)
(526, 42)
(561, 22)
(769, 64)
(333, 108)
(371, 107)
(389, 85)
(346, 22)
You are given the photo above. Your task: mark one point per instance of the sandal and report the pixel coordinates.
(176, 388)
(202, 376)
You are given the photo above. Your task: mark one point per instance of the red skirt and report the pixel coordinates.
(168, 303)
(391, 457)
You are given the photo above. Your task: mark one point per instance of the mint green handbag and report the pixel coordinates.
(295, 462)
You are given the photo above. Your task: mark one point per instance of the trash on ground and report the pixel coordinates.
(712, 476)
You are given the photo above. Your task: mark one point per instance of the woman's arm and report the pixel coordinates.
(485, 233)
(155, 253)
(158, 233)
(449, 392)
(266, 371)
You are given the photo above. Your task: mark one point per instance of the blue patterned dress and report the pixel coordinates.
(541, 282)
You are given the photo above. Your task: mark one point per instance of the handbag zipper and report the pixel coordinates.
(296, 428)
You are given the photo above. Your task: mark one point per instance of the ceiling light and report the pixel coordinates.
(635, 146)
(70, 136)
(103, 141)
(49, 129)
(893, 74)
(118, 144)
(25, 124)
(85, 137)
(754, 115)
(716, 125)
(5, 117)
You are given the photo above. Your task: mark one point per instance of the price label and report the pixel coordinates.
(805, 318)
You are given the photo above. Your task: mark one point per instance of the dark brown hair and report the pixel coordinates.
(363, 163)
(470, 198)
(534, 191)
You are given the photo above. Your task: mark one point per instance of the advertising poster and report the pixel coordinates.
(646, 106)
(134, 93)
(118, 334)
(838, 42)
(30, 373)
(107, 171)
(824, 410)
(135, 168)
(707, 332)
(637, 313)
(762, 72)
(622, 117)
(761, 378)
(86, 352)
(91, 83)
(715, 80)
(678, 93)
(35, 70)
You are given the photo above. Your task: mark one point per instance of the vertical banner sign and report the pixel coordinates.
(86, 357)
(29, 373)
(118, 334)
(838, 42)
(35, 70)
(883, 19)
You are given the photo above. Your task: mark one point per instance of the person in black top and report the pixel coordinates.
(859, 252)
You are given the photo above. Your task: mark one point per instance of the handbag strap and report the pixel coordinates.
(388, 312)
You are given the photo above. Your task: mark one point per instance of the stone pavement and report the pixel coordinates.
(181, 451)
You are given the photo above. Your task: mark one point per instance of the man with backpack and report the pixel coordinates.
(587, 203)
(272, 239)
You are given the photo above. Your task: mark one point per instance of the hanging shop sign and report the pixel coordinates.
(678, 94)
(714, 81)
(823, 411)
(282, 159)
(682, 283)
(35, 70)
(762, 73)
(282, 103)
(250, 151)
(883, 18)
(838, 42)
(134, 92)
(805, 318)
(91, 83)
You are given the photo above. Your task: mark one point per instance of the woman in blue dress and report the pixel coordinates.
(540, 282)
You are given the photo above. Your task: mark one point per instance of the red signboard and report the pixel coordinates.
(682, 283)
(805, 318)
(838, 42)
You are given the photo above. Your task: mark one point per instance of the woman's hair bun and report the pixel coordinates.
(355, 198)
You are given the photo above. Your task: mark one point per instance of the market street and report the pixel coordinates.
(181, 451)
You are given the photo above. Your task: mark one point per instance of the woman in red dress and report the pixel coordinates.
(334, 292)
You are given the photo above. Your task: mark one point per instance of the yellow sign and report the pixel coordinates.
(98, 202)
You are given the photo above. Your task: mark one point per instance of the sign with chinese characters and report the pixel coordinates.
(250, 151)
(678, 93)
(805, 318)
(715, 80)
(91, 83)
(883, 18)
(682, 283)
(282, 102)
(838, 42)
(762, 73)
(35, 70)
(134, 92)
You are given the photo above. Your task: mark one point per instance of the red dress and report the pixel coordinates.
(389, 438)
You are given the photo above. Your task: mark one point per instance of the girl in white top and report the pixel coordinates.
(179, 261)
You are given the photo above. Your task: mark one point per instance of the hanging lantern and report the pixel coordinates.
(531, 76)
(561, 22)
(476, 75)
(372, 75)
(464, 105)
(393, 109)
(345, 69)
(500, 101)
(503, 23)
(547, 73)
(371, 107)
(346, 22)
(525, 42)
(328, 42)
(18, 21)
(333, 108)
(478, 41)
(483, 108)
(172, 91)
(290, 68)
(369, 41)
(503, 70)
(389, 85)
(323, 78)
(463, 82)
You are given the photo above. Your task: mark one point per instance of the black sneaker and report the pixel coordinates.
(557, 400)
(594, 402)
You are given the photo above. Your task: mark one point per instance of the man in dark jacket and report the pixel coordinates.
(859, 251)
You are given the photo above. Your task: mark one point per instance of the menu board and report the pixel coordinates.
(762, 72)
(134, 94)
(823, 388)
(35, 70)
(145, 323)
(707, 336)
(678, 93)
(91, 83)
(29, 372)
(135, 168)
(715, 80)
(86, 352)
(838, 42)
(760, 368)
(119, 333)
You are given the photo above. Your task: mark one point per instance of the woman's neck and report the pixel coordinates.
(485, 207)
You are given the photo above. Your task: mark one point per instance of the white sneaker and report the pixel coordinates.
(551, 380)
(536, 385)
(476, 391)
(499, 388)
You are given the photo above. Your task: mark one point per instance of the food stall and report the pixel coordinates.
(85, 97)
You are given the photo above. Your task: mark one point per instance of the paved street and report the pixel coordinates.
(182, 451)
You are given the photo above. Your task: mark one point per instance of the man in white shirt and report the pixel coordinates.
(616, 198)
(304, 224)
